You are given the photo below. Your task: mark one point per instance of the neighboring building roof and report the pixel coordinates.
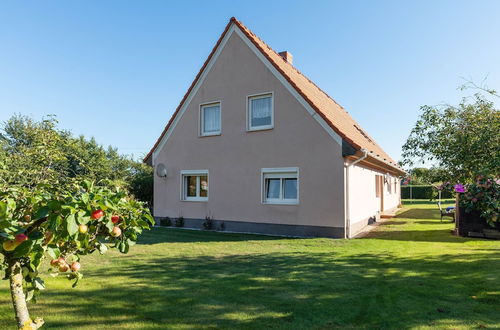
(334, 115)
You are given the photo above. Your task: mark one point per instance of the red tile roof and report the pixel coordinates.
(333, 114)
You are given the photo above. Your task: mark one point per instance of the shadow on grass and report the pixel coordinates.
(179, 235)
(290, 291)
(419, 216)
(426, 202)
(419, 213)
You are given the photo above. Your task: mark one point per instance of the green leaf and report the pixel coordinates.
(3, 210)
(102, 248)
(30, 294)
(36, 235)
(71, 224)
(23, 249)
(110, 225)
(53, 252)
(41, 213)
(39, 283)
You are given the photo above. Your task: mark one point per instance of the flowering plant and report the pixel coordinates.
(482, 196)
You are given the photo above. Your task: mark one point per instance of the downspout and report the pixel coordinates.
(347, 217)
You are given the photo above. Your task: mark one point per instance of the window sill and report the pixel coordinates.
(281, 203)
(195, 200)
(256, 129)
(210, 134)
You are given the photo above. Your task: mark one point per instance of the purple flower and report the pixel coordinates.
(459, 188)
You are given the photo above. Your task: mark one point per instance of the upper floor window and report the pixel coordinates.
(210, 119)
(260, 112)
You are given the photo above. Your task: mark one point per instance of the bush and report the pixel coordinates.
(166, 222)
(208, 224)
(483, 197)
(179, 222)
(424, 192)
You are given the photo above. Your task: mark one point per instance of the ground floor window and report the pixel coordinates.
(194, 185)
(280, 185)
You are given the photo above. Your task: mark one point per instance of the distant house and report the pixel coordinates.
(257, 146)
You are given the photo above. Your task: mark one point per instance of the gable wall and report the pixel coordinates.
(235, 158)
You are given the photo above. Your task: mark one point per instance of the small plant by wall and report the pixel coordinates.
(208, 224)
(179, 222)
(222, 226)
(166, 222)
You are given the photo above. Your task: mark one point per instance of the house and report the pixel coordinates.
(257, 147)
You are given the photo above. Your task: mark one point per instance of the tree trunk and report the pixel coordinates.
(19, 299)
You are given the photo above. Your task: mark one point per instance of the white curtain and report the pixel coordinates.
(261, 111)
(273, 188)
(211, 119)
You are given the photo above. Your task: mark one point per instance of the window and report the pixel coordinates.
(378, 185)
(210, 119)
(194, 185)
(280, 185)
(260, 112)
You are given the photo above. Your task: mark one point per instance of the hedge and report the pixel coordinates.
(423, 192)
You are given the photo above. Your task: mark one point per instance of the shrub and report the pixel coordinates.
(482, 196)
(165, 222)
(208, 224)
(179, 222)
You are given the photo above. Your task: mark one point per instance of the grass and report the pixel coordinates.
(410, 273)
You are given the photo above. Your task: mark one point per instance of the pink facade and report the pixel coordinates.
(288, 178)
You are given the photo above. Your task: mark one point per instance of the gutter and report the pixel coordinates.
(347, 217)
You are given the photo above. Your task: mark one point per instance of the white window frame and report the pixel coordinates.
(197, 173)
(281, 173)
(201, 125)
(249, 119)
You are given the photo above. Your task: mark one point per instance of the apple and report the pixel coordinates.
(97, 214)
(27, 217)
(10, 245)
(83, 229)
(21, 238)
(115, 218)
(63, 267)
(61, 260)
(116, 231)
(54, 262)
(75, 266)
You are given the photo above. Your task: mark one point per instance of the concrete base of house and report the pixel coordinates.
(265, 228)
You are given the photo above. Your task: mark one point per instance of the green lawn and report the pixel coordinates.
(409, 273)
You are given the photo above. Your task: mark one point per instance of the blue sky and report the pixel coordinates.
(116, 70)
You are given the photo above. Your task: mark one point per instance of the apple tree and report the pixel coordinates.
(50, 213)
(61, 224)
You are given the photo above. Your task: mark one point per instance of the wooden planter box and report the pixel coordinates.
(472, 224)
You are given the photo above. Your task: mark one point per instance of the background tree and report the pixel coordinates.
(51, 207)
(462, 140)
(425, 176)
(71, 156)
